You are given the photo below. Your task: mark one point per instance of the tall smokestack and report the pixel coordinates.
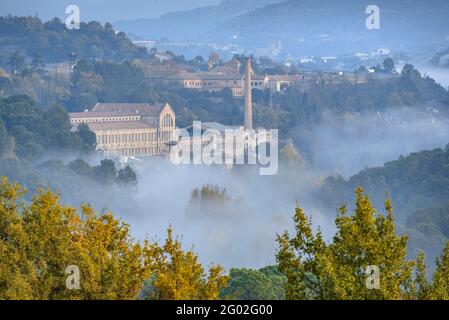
(248, 96)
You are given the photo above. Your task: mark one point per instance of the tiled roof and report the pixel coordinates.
(143, 109)
(211, 76)
(118, 125)
(91, 114)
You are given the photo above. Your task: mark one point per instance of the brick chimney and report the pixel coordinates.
(248, 95)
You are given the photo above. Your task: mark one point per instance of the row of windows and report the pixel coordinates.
(106, 119)
(167, 121)
(198, 84)
(237, 92)
(167, 135)
(257, 83)
(218, 82)
(192, 84)
(129, 137)
(133, 151)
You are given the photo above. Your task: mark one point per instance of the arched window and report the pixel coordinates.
(167, 120)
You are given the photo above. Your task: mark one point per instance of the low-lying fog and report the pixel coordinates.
(441, 75)
(241, 232)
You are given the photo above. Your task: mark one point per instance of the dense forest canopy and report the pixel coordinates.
(103, 81)
(418, 185)
(29, 131)
(365, 240)
(53, 42)
(33, 141)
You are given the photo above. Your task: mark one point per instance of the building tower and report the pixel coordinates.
(248, 95)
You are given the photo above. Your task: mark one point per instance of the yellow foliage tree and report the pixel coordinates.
(178, 275)
(440, 283)
(38, 241)
(316, 270)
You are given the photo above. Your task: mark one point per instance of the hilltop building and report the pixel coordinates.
(130, 129)
(231, 141)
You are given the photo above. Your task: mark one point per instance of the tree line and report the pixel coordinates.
(39, 240)
(418, 186)
(52, 42)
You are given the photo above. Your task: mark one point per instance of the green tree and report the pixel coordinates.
(17, 63)
(81, 167)
(126, 176)
(88, 138)
(388, 65)
(58, 118)
(337, 270)
(106, 172)
(6, 143)
(248, 284)
(37, 62)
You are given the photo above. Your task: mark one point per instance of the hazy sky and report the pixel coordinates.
(101, 10)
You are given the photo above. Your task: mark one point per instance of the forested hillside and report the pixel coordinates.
(51, 41)
(102, 81)
(418, 186)
(297, 108)
(33, 142)
(413, 182)
(29, 132)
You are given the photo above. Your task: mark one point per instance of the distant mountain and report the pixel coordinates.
(336, 26)
(193, 24)
(306, 26)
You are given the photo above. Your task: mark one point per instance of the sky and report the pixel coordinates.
(100, 10)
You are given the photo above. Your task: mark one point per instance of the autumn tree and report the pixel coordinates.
(440, 280)
(40, 240)
(318, 270)
(178, 274)
(422, 286)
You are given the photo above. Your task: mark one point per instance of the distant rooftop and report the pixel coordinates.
(104, 126)
(143, 109)
(90, 114)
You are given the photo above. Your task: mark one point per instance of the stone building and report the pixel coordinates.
(130, 129)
